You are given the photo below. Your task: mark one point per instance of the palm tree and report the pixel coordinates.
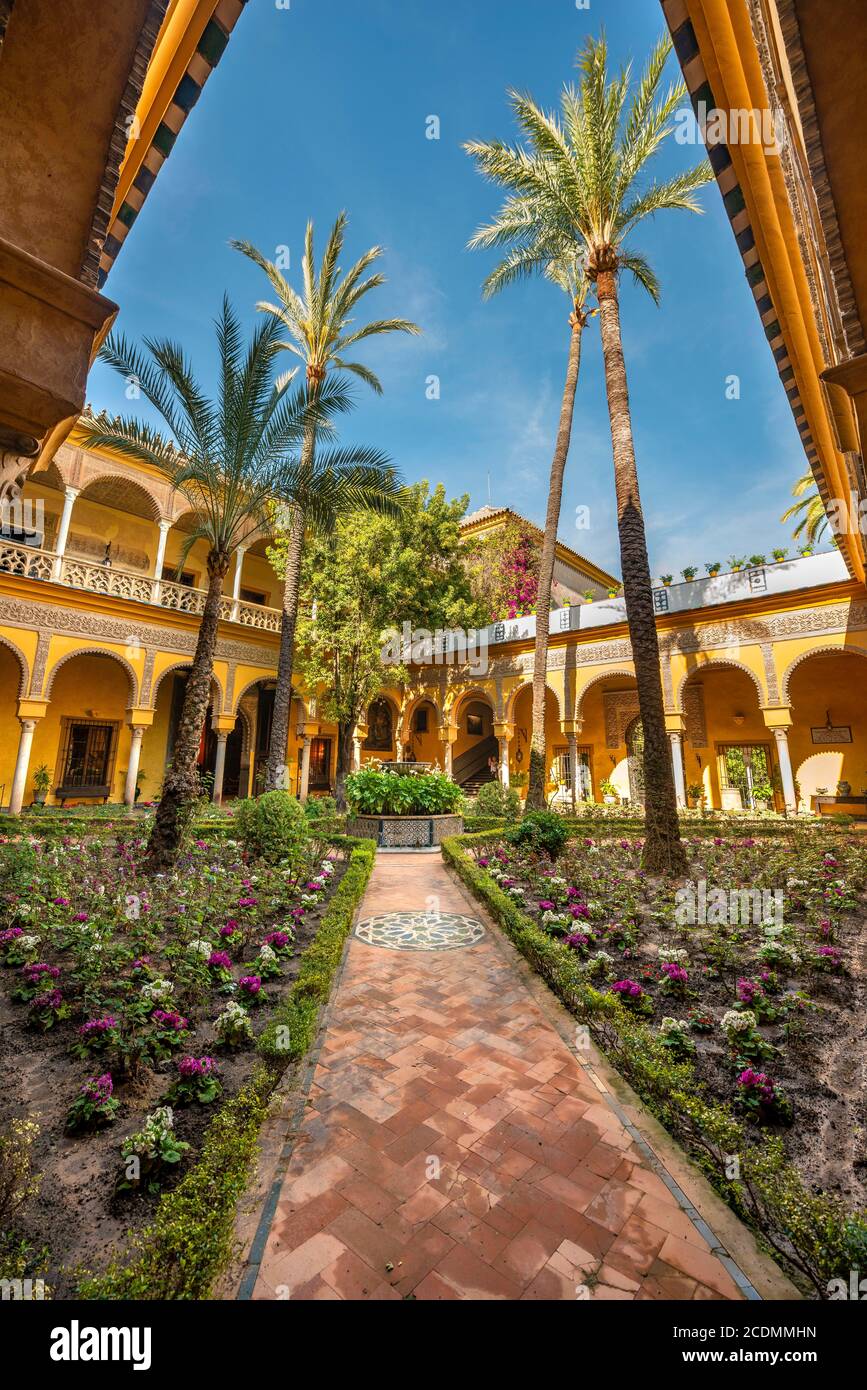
(535, 247)
(809, 511)
(228, 458)
(321, 332)
(585, 169)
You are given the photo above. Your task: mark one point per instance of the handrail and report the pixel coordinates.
(49, 567)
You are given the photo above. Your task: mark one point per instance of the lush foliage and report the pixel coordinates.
(371, 792)
(504, 571)
(273, 827)
(497, 802)
(539, 831)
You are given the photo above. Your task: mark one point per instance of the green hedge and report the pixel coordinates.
(188, 1245)
(811, 1234)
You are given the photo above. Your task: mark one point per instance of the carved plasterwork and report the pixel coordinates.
(694, 716)
(621, 707)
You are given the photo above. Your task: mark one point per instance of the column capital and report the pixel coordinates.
(32, 709)
(571, 726)
(165, 524)
(448, 733)
(138, 717)
(310, 728)
(778, 718)
(504, 730)
(70, 493)
(675, 724)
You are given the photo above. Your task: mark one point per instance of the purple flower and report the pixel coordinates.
(61, 902)
(577, 940)
(547, 906)
(81, 917)
(278, 939)
(196, 1066)
(11, 934)
(250, 984)
(97, 1026)
(630, 988)
(173, 1022)
(40, 970)
(218, 960)
(98, 1089)
(675, 973)
(52, 1000)
(247, 902)
(228, 929)
(580, 910)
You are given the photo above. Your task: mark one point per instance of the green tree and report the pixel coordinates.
(367, 576)
(587, 168)
(228, 457)
(322, 332)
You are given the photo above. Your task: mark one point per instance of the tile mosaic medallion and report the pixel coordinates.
(421, 931)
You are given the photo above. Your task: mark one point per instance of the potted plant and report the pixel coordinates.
(713, 568)
(610, 794)
(805, 550)
(590, 595)
(613, 593)
(689, 573)
(780, 554)
(844, 788)
(41, 783)
(665, 579)
(695, 792)
(736, 564)
(521, 781)
(756, 561)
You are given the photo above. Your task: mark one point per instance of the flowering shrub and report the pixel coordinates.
(197, 1080)
(674, 1034)
(94, 1106)
(150, 1152)
(250, 989)
(759, 1095)
(233, 1027)
(96, 1035)
(633, 995)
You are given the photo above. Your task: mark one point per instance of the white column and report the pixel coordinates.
(22, 766)
(448, 758)
(165, 527)
(69, 496)
(132, 766)
(236, 580)
(305, 768)
(789, 794)
(504, 761)
(677, 765)
(572, 740)
(219, 766)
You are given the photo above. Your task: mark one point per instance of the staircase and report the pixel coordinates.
(471, 770)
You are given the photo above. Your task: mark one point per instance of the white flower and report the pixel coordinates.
(553, 919)
(27, 943)
(670, 955)
(673, 1027)
(734, 1022)
(267, 955)
(200, 947)
(155, 990)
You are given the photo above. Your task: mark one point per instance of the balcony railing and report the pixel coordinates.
(44, 565)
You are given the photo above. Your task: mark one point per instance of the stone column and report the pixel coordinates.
(219, 766)
(69, 496)
(572, 740)
(137, 731)
(236, 580)
(165, 527)
(785, 761)
(677, 765)
(22, 765)
(305, 767)
(504, 733)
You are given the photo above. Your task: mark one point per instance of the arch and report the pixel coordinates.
(23, 664)
(528, 685)
(413, 705)
(184, 666)
(123, 480)
(396, 727)
(95, 651)
(261, 680)
(619, 673)
(724, 662)
(805, 656)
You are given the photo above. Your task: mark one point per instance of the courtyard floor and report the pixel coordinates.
(454, 1147)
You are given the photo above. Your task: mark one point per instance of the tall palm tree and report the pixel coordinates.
(321, 332)
(809, 510)
(586, 168)
(228, 457)
(536, 247)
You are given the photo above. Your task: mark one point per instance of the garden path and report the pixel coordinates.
(453, 1147)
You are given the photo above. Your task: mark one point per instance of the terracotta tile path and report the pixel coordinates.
(454, 1148)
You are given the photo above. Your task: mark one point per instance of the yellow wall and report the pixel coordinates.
(820, 686)
(87, 687)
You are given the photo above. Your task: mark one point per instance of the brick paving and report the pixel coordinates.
(453, 1147)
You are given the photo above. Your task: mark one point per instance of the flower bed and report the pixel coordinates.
(144, 1026)
(746, 1037)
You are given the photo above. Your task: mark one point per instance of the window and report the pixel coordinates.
(747, 768)
(320, 764)
(561, 771)
(421, 721)
(253, 596)
(87, 754)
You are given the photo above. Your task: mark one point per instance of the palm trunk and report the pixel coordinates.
(663, 850)
(538, 747)
(181, 786)
(275, 771)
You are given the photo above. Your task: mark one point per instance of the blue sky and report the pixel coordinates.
(324, 106)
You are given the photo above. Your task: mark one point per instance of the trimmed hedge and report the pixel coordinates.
(811, 1234)
(188, 1245)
